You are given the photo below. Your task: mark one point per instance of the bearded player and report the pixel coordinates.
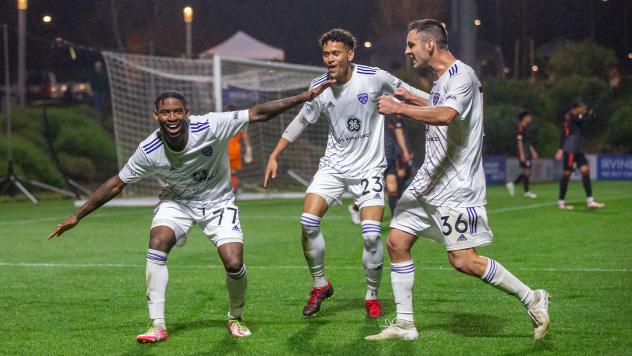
(446, 200)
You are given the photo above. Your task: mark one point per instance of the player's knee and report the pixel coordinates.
(371, 233)
(310, 225)
(371, 241)
(162, 242)
(395, 246)
(233, 265)
(566, 174)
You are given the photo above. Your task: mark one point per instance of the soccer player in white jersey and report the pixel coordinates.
(446, 200)
(354, 161)
(190, 154)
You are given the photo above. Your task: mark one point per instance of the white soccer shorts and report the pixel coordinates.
(457, 228)
(365, 192)
(220, 223)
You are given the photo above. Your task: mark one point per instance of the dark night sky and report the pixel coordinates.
(294, 25)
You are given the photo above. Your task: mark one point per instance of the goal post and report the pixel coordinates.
(212, 85)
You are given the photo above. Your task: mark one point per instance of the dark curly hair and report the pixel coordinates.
(171, 94)
(338, 35)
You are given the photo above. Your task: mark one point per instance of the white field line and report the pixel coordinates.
(429, 268)
(285, 217)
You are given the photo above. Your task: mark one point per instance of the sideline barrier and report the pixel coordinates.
(499, 169)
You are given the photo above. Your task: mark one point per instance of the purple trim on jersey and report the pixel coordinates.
(153, 148)
(453, 70)
(199, 123)
(403, 269)
(203, 127)
(366, 68)
(319, 80)
(152, 142)
(491, 273)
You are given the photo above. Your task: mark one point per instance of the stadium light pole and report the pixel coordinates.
(188, 19)
(22, 7)
(10, 181)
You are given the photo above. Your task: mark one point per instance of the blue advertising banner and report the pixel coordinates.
(614, 167)
(494, 167)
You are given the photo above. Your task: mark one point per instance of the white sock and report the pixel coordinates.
(402, 280)
(157, 278)
(372, 257)
(498, 276)
(236, 283)
(314, 248)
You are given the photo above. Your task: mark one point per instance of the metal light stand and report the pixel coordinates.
(9, 184)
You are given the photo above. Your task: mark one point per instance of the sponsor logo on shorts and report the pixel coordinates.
(236, 228)
(435, 98)
(353, 124)
(207, 151)
(377, 196)
(461, 238)
(331, 105)
(235, 115)
(363, 98)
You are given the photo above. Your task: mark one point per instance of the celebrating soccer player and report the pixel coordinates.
(446, 200)
(354, 161)
(190, 154)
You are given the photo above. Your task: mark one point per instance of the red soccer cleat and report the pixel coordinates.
(373, 308)
(316, 297)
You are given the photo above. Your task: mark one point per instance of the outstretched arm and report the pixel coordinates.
(436, 115)
(266, 111)
(271, 168)
(102, 195)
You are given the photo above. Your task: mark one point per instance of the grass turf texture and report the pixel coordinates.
(84, 293)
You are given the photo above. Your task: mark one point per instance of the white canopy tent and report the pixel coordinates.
(242, 45)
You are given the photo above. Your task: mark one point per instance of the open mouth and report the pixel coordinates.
(172, 127)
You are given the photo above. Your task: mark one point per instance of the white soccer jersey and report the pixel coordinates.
(452, 173)
(355, 145)
(199, 175)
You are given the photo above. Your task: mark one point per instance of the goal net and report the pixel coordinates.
(212, 85)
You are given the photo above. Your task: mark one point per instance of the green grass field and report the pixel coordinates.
(84, 293)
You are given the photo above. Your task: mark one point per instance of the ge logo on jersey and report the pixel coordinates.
(207, 151)
(200, 176)
(353, 124)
